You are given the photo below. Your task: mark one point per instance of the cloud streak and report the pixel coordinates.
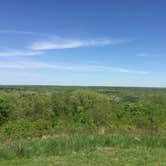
(13, 53)
(53, 42)
(42, 65)
(20, 32)
(71, 43)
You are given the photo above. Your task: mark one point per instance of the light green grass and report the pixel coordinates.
(100, 157)
(85, 150)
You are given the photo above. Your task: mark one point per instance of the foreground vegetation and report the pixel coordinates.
(99, 157)
(44, 125)
(85, 150)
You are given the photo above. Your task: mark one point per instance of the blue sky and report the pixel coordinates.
(83, 42)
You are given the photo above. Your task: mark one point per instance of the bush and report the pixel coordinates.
(4, 111)
(25, 129)
(83, 106)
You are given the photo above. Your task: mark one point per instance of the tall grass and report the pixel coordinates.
(71, 144)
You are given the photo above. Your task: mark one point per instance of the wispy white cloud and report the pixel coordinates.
(53, 42)
(27, 33)
(60, 43)
(19, 53)
(33, 65)
(122, 70)
(42, 65)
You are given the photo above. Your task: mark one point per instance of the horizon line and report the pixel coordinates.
(68, 85)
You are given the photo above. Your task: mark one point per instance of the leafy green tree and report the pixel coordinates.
(4, 111)
(90, 107)
(59, 103)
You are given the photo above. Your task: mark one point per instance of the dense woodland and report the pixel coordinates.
(34, 111)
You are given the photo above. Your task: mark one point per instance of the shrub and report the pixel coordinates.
(4, 111)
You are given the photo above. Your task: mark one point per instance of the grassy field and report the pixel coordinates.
(100, 157)
(62, 126)
(85, 150)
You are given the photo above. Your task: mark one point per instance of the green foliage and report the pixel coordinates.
(41, 121)
(4, 111)
(90, 107)
(67, 145)
(36, 111)
(25, 129)
(85, 107)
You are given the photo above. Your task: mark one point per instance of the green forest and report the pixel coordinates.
(36, 111)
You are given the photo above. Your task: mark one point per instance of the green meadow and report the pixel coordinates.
(49, 125)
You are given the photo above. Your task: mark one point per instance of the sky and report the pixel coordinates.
(83, 42)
